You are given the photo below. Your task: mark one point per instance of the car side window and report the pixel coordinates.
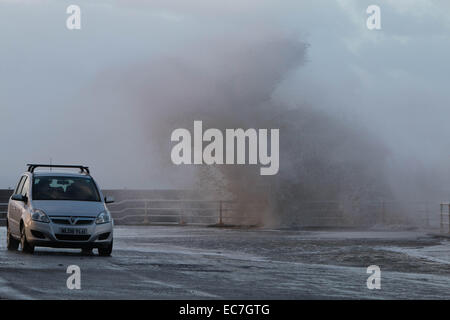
(19, 185)
(24, 191)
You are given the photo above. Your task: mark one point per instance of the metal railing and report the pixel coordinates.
(3, 212)
(175, 211)
(445, 212)
(219, 212)
(163, 211)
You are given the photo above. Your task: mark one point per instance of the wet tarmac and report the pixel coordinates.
(185, 262)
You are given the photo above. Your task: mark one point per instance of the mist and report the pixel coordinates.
(362, 116)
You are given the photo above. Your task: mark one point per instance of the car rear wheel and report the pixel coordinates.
(106, 251)
(11, 243)
(26, 247)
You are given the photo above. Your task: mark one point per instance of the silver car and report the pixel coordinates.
(63, 210)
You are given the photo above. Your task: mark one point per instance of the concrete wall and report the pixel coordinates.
(4, 197)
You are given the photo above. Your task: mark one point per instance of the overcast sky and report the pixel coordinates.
(393, 81)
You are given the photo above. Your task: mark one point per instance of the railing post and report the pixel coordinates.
(442, 218)
(146, 212)
(448, 217)
(220, 213)
(182, 222)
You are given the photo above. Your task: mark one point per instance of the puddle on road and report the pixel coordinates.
(438, 253)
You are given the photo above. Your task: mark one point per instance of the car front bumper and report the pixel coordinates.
(51, 235)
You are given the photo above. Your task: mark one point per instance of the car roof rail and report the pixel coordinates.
(32, 166)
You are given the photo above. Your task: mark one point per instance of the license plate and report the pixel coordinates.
(76, 231)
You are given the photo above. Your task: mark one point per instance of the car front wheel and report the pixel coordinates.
(106, 251)
(26, 247)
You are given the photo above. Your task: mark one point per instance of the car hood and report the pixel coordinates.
(69, 208)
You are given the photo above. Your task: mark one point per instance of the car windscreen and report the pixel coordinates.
(65, 188)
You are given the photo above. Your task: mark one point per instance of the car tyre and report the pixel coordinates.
(26, 246)
(86, 251)
(11, 243)
(106, 251)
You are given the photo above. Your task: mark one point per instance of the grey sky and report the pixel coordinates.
(393, 81)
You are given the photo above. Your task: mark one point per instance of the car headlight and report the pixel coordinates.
(103, 217)
(39, 215)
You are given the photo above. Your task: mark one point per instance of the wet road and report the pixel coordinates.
(202, 263)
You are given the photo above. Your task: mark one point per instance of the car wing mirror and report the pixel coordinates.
(19, 197)
(109, 199)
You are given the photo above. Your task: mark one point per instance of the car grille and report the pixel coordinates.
(71, 237)
(84, 222)
(61, 221)
(78, 221)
